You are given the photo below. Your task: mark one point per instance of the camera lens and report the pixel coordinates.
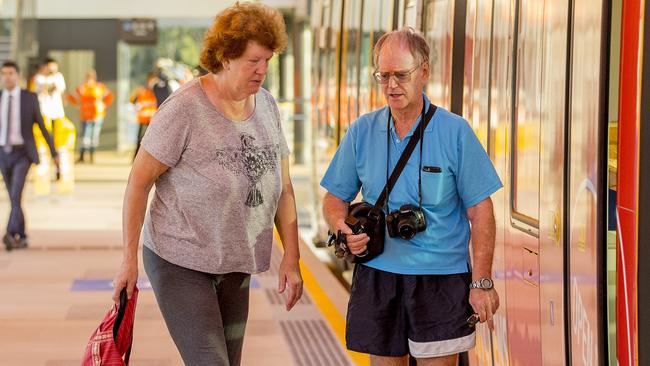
(406, 230)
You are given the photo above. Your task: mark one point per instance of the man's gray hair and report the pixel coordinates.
(409, 36)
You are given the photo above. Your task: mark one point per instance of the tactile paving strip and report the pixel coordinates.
(312, 344)
(308, 336)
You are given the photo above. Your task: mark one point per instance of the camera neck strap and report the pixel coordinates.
(406, 154)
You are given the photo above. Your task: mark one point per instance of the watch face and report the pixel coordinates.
(486, 283)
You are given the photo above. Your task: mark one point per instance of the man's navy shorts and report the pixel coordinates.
(393, 314)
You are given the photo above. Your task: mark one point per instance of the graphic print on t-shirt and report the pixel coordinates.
(250, 161)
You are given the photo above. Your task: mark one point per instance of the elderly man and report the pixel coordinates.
(419, 295)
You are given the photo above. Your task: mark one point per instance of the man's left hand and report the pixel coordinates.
(289, 274)
(485, 303)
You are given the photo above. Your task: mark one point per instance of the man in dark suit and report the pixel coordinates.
(19, 111)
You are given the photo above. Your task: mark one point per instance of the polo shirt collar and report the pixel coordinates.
(383, 115)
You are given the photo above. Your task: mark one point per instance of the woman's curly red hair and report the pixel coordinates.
(228, 36)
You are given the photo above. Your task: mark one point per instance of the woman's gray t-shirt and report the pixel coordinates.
(214, 209)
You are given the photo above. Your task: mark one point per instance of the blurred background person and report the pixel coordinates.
(19, 111)
(92, 98)
(162, 88)
(39, 71)
(50, 86)
(145, 106)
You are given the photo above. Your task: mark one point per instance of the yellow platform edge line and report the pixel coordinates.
(327, 308)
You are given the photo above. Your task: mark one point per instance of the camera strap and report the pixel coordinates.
(406, 154)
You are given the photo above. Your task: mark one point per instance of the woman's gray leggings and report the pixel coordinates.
(205, 313)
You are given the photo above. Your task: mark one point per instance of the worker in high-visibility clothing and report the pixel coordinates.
(145, 106)
(93, 98)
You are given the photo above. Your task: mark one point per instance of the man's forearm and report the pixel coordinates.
(483, 238)
(334, 210)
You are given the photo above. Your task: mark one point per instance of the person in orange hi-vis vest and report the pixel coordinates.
(146, 105)
(93, 98)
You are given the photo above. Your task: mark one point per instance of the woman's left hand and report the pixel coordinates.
(289, 274)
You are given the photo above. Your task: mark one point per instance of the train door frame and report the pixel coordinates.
(643, 269)
(642, 340)
(612, 143)
(632, 202)
(580, 312)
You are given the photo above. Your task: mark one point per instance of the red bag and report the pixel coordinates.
(113, 338)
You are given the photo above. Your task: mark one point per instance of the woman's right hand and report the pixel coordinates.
(127, 277)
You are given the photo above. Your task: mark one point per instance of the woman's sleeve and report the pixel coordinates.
(169, 131)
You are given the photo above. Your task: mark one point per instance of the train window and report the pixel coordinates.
(350, 62)
(410, 14)
(500, 83)
(381, 15)
(326, 73)
(332, 70)
(476, 93)
(438, 30)
(365, 59)
(400, 13)
(526, 126)
(365, 56)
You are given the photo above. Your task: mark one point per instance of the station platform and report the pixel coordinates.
(55, 293)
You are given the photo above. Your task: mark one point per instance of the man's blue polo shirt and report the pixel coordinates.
(465, 177)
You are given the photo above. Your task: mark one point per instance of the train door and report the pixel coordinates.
(476, 107)
(497, 141)
(586, 183)
(553, 102)
(522, 237)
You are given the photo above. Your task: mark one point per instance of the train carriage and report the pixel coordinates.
(554, 91)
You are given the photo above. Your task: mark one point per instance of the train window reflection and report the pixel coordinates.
(526, 134)
(438, 30)
(350, 61)
(476, 93)
(410, 13)
(381, 19)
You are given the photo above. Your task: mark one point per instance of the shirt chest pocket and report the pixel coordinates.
(438, 186)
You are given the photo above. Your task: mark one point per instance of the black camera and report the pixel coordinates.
(357, 224)
(339, 240)
(405, 222)
(363, 218)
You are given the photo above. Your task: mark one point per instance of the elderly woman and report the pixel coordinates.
(216, 153)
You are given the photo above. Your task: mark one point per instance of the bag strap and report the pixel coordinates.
(118, 322)
(406, 154)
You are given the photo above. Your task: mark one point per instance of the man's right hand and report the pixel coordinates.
(356, 243)
(127, 277)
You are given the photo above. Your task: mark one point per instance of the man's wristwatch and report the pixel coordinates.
(482, 283)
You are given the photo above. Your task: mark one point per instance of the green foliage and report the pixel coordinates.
(180, 44)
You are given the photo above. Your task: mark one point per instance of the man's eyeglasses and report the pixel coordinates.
(400, 76)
